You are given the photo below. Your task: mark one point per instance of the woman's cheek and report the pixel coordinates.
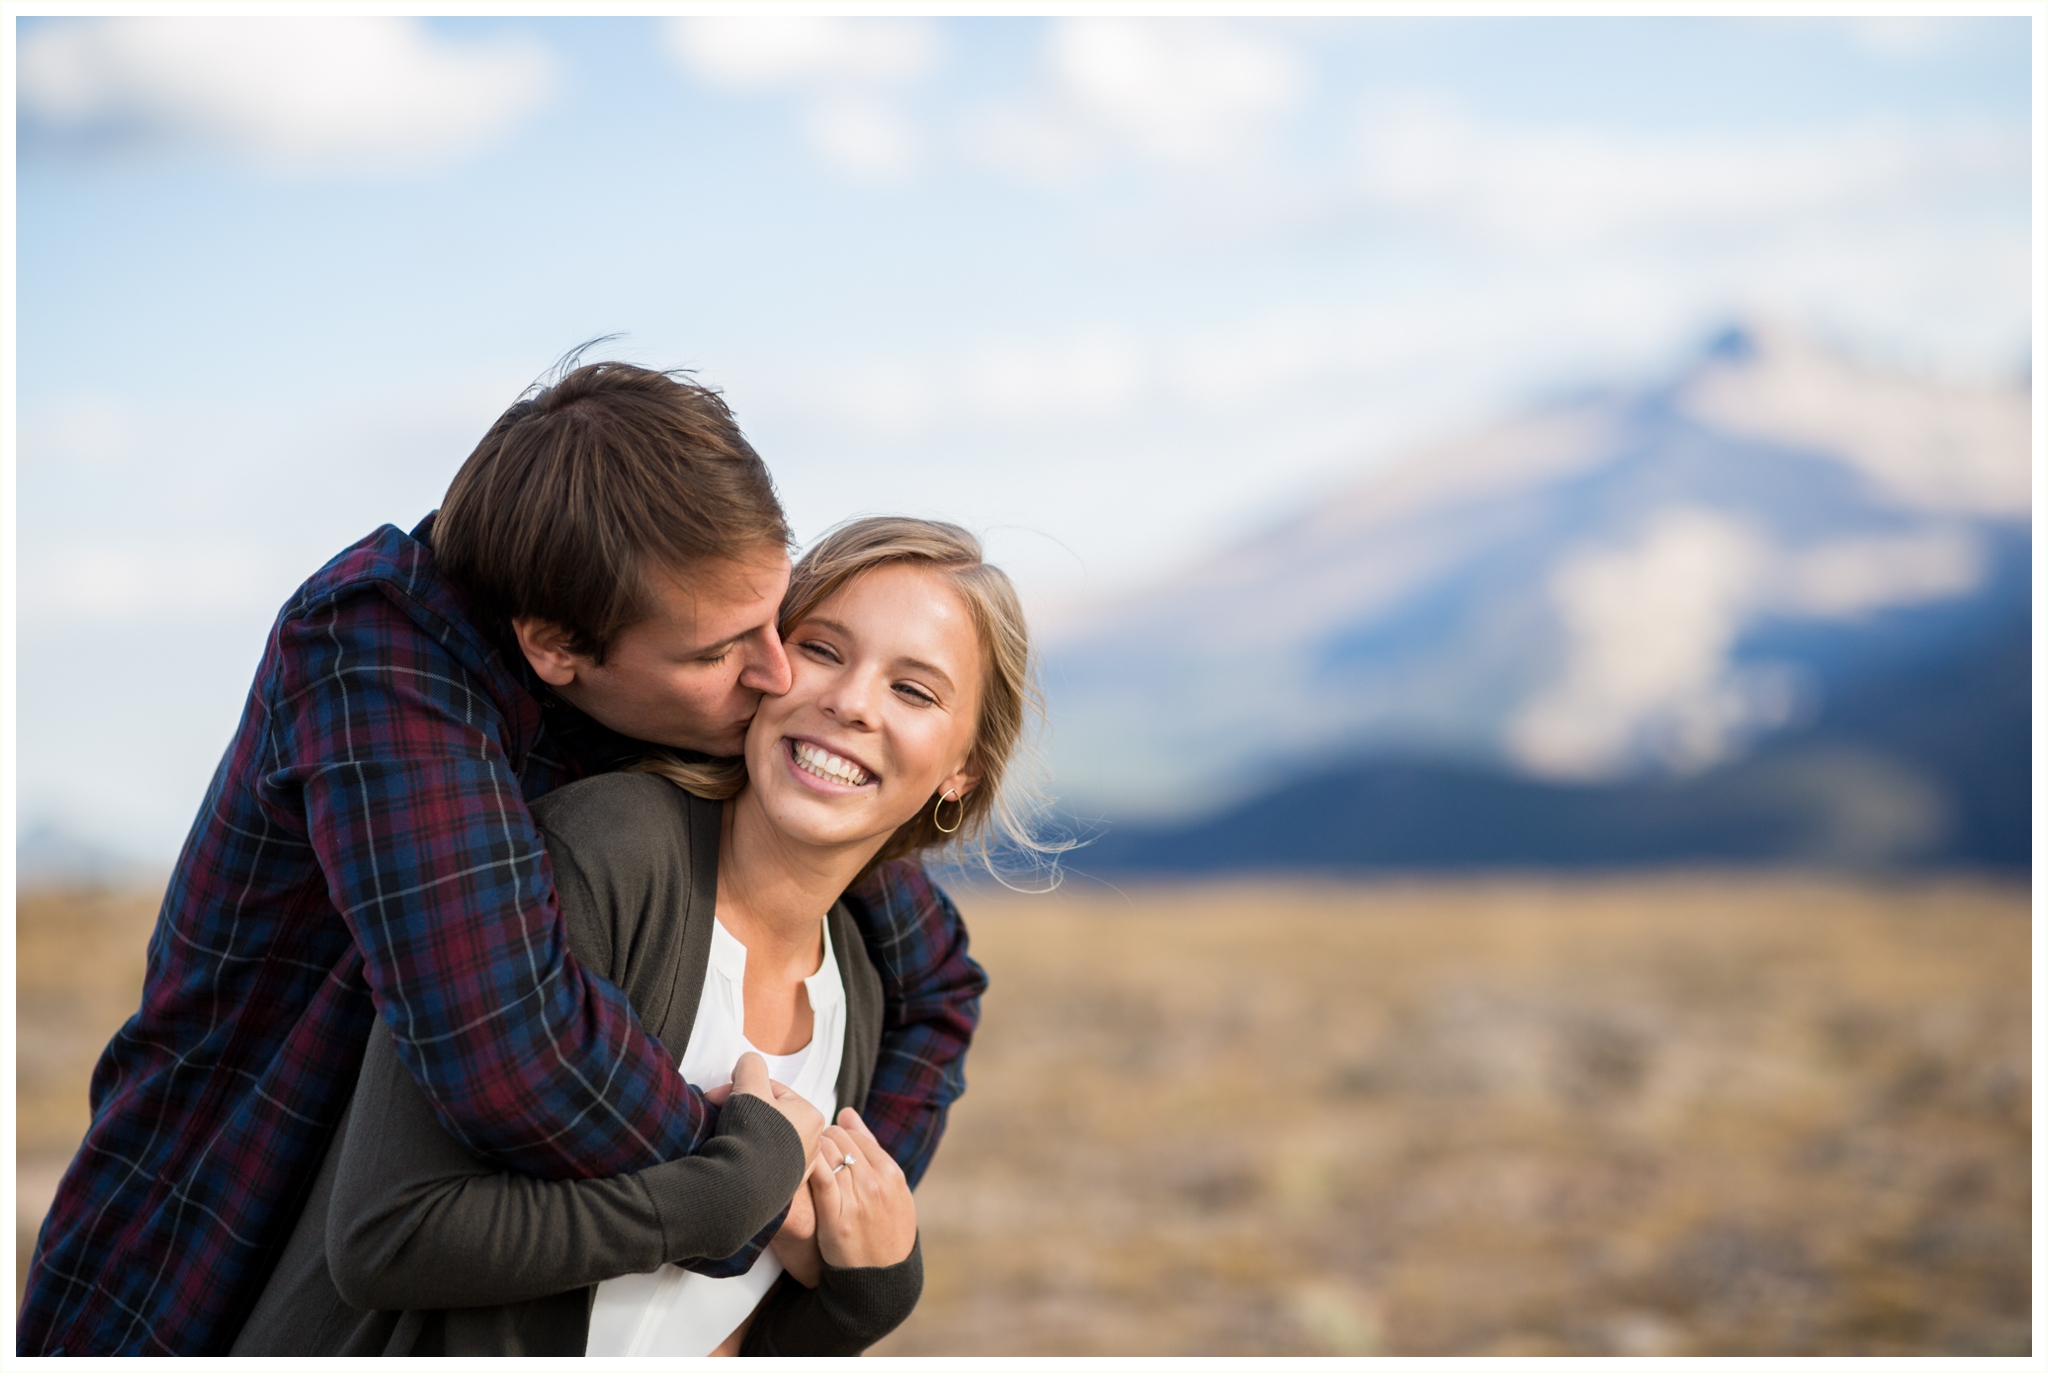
(929, 749)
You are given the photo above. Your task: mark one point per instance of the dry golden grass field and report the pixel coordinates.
(1707, 1114)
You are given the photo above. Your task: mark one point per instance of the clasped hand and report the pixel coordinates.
(750, 1078)
(850, 1215)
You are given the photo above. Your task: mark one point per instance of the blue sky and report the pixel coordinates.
(1114, 291)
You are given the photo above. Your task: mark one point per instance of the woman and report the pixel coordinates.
(720, 923)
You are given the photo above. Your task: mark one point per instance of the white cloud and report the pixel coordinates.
(288, 93)
(865, 139)
(1905, 38)
(892, 399)
(847, 74)
(1088, 375)
(87, 430)
(1546, 187)
(1258, 362)
(1093, 374)
(104, 583)
(1183, 93)
(1036, 143)
(800, 52)
(1179, 90)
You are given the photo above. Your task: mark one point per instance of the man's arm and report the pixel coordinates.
(416, 818)
(931, 1002)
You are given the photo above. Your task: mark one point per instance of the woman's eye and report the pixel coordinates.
(917, 694)
(822, 652)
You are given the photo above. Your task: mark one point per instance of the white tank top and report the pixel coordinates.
(672, 1311)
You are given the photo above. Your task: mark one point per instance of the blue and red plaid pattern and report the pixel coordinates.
(365, 848)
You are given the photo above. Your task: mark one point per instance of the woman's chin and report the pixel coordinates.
(808, 818)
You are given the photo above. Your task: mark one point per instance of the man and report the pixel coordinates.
(604, 575)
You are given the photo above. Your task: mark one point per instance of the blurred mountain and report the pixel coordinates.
(49, 853)
(1777, 608)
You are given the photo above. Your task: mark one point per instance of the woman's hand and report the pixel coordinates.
(866, 1216)
(750, 1078)
(796, 1243)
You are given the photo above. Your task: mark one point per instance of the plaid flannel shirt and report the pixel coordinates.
(365, 848)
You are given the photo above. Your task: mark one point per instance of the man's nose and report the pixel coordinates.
(767, 668)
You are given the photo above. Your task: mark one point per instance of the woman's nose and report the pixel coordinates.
(850, 700)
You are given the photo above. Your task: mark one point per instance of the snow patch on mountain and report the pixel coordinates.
(1572, 595)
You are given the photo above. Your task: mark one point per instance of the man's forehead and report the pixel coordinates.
(715, 589)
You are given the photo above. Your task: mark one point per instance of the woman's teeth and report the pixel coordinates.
(829, 766)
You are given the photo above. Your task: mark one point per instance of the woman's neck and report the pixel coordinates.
(773, 894)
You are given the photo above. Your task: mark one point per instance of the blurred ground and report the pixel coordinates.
(78, 964)
(1712, 1115)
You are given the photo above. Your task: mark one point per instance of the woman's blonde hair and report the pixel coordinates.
(998, 808)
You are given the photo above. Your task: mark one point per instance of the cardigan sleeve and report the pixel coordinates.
(847, 1311)
(418, 1221)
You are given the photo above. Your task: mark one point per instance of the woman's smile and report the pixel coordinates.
(827, 770)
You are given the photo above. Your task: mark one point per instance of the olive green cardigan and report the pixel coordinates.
(409, 1244)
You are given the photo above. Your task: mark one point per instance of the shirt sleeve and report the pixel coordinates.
(931, 998)
(389, 754)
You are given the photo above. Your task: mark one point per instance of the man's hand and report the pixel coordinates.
(750, 1078)
(866, 1215)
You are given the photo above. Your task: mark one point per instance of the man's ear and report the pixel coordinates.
(546, 646)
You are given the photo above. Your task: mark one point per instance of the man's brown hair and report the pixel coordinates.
(585, 486)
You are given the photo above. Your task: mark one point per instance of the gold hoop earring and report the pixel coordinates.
(958, 820)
